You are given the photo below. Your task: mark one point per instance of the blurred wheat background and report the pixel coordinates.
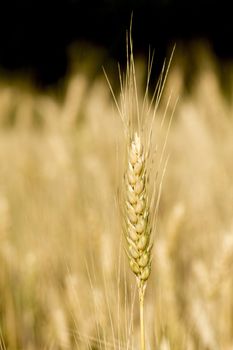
(64, 279)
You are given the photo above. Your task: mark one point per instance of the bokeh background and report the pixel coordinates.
(64, 279)
(35, 37)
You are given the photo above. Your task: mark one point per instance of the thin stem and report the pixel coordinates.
(142, 329)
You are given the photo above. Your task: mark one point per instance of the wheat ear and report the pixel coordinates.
(138, 230)
(140, 205)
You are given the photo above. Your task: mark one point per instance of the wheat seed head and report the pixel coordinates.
(137, 211)
(140, 191)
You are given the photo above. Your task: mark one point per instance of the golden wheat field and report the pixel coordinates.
(64, 276)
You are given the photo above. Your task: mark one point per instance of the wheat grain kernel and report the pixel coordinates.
(144, 259)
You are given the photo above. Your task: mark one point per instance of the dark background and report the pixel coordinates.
(35, 35)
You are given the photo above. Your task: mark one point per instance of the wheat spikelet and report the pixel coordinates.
(137, 212)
